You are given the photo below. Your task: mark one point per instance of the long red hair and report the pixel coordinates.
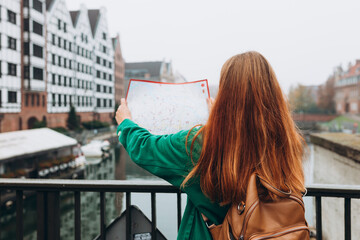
(249, 129)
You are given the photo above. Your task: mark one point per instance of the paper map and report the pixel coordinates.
(165, 108)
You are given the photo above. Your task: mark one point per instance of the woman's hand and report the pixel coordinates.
(210, 101)
(122, 112)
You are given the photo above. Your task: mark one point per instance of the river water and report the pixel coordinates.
(118, 166)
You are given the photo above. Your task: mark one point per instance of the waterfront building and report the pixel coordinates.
(347, 90)
(33, 106)
(50, 59)
(10, 63)
(119, 72)
(159, 71)
(84, 64)
(103, 65)
(60, 62)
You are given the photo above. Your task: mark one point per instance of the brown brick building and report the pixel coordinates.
(347, 90)
(119, 70)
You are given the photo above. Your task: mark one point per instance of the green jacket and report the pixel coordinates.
(166, 157)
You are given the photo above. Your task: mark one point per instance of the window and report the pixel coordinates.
(12, 43)
(104, 62)
(11, 16)
(65, 63)
(11, 69)
(59, 42)
(98, 103)
(110, 77)
(104, 89)
(70, 49)
(53, 37)
(37, 5)
(37, 28)
(104, 36)
(65, 100)
(82, 84)
(78, 50)
(26, 99)
(82, 68)
(104, 49)
(98, 60)
(37, 100)
(37, 51)
(110, 103)
(78, 101)
(64, 27)
(59, 80)
(26, 3)
(65, 43)
(26, 72)
(98, 74)
(59, 24)
(70, 64)
(110, 64)
(32, 100)
(53, 59)
(104, 75)
(0, 69)
(105, 102)
(26, 25)
(38, 73)
(98, 88)
(26, 49)
(65, 81)
(59, 60)
(59, 99)
(83, 101)
(11, 97)
(110, 89)
(53, 79)
(70, 83)
(53, 99)
(78, 67)
(82, 52)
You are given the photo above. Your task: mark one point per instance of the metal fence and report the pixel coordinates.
(48, 209)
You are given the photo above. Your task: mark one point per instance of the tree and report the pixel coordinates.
(116, 107)
(326, 95)
(302, 100)
(72, 121)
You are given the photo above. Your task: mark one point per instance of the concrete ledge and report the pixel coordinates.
(347, 145)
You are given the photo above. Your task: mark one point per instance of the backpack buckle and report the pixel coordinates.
(241, 207)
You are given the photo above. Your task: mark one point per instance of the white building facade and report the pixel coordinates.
(104, 62)
(10, 56)
(60, 58)
(84, 61)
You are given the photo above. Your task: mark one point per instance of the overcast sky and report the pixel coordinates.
(303, 40)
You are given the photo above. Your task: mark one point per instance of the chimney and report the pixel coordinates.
(357, 61)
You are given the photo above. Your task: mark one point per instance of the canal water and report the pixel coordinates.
(118, 166)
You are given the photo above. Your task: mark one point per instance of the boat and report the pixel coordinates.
(140, 227)
(96, 148)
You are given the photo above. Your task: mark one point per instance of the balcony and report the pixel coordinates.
(48, 210)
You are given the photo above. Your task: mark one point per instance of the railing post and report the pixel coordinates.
(128, 216)
(19, 215)
(77, 218)
(102, 216)
(41, 206)
(347, 216)
(318, 218)
(153, 215)
(178, 195)
(53, 215)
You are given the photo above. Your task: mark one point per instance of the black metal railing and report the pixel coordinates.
(48, 209)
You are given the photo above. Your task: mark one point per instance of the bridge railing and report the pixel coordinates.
(48, 202)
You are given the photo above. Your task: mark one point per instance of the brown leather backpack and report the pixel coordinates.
(257, 218)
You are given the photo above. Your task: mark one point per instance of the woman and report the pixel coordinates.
(249, 130)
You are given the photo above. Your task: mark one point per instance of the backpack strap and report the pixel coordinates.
(273, 189)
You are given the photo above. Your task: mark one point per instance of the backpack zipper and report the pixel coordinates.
(248, 214)
(292, 229)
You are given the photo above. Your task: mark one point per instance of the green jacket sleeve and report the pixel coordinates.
(162, 155)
